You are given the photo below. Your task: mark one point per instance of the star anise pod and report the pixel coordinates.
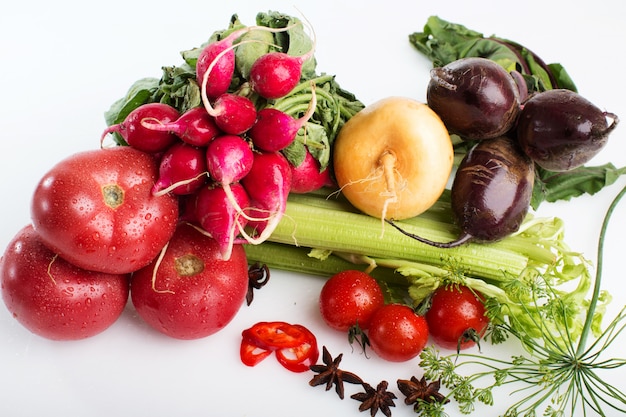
(330, 374)
(376, 399)
(416, 391)
(258, 275)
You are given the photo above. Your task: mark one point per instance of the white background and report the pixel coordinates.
(63, 63)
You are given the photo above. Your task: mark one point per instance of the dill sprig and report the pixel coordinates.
(558, 374)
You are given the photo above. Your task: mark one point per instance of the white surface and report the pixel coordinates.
(63, 63)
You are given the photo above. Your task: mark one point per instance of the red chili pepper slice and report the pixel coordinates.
(295, 345)
(251, 354)
(274, 335)
(300, 358)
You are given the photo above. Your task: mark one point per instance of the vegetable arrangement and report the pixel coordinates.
(530, 302)
(171, 206)
(244, 154)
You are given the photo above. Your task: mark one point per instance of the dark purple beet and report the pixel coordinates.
(490, 194)
(561, 130)
(475, 98)
(492, 189)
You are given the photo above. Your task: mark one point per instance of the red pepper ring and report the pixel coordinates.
(251, 354)
(262, 339)
(275, 335)
(300, 358)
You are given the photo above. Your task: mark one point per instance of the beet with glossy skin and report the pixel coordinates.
(490, 193)
(475, 98)
(561, 130)
(492, 189)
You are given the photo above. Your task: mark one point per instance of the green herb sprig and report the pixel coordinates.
(557, 377)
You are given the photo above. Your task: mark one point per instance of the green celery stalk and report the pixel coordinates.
(328, 223)
(297, 259)
(322, 234)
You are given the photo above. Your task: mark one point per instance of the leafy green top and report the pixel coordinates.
(178, 87)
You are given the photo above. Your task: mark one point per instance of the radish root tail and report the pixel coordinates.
(157, 264)
(161, 192)
(48, 271)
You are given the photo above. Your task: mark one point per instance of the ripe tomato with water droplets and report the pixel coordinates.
(53, 298)
(96, 210)
(349, 298)
(191, 292)
(397, 333)
(456, 317)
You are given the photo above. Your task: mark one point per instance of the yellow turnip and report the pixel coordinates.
(393, 159)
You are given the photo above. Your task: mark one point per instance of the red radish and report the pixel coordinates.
(228, 159)
(274, 130)
(182, 170)
(308, 177)
(138, 136)
(233, 114)
(275, 74)
(218, 72)
(267, 184)
(195, 126)
(217, 215)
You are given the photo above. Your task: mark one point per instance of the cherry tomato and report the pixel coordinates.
(456, 318)
(295, 346)
(349, 297)
(53, 298)
(96, 210)
(194, 292)
(396, 333)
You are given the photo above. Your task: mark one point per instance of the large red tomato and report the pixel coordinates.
(194, 292)
(53, 298)
(96, 210)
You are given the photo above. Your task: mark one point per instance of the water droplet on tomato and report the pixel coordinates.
(148, 216)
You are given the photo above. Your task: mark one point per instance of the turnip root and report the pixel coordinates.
(393, 159)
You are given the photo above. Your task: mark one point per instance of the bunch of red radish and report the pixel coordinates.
(224, 159)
